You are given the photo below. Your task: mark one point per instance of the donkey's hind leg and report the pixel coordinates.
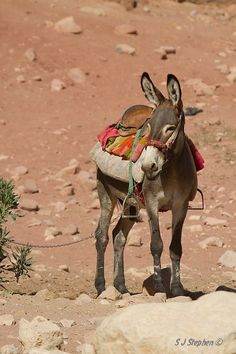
(107, 206)
(120, 234)
(178, 217)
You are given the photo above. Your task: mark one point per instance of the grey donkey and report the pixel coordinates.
(170, 182)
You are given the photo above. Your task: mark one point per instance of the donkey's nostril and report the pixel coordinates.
(153, 166)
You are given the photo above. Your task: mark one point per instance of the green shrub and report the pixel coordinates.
(16, 260)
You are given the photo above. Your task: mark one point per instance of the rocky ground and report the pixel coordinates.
(61, 82)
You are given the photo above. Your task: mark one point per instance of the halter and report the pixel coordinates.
(165, 147)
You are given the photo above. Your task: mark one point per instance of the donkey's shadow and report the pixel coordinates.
(166, 276)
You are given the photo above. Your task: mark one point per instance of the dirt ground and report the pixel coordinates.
(45, 130)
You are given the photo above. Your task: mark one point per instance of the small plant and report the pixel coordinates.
(16, 260)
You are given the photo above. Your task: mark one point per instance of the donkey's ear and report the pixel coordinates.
(151, 92)
(174, 90)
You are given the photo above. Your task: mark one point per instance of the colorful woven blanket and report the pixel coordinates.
(115, 144)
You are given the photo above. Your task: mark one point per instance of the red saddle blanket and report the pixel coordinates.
(115, 144)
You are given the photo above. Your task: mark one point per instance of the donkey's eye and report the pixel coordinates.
(169, 129)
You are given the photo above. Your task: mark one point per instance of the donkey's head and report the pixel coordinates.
(166, 125)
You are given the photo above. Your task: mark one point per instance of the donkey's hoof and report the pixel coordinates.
(121, 288)
(100, 287)
(159, 288)
(177, 289)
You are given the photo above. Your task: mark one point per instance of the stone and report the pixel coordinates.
(134, 239)
(45, 295)
(194, 217)
(59, 207)
(7, 320)
(167, 325)
(125, 29)
(195, 228)
(45, 351)
(57, 85)
(34, 222)
(168, 49)
(67, 191)
(125, 49)
(67, 323)
(83, 299)
(72, 169)
(111, 293)
(39, 268)
(211, 241)
(121, 303)
(104, 302)
(211, 221)
(201, 88)
(29, 204)
(160, 297)
(40, 332)
(9, 349)
(20, 171)
(97, 11)
(67, 25)
(223, 68)
(31, 55)
(37, 78)
(52, 231)
(232, 76)
(64, 268)
(70, 229)
(179, 299)
(87, 349)
(228, 259)
(30, 186)
(163, 55)
(21, 79)
(77, 75)
(3, 302)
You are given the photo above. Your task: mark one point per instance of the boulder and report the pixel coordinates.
(41, 333)
(206, 325)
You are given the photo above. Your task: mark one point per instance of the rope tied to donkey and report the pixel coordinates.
(131, 179)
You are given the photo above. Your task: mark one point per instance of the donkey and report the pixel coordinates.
(170, 182)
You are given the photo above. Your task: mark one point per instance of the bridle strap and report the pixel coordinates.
(165, 147)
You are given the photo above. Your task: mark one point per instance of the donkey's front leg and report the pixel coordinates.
(178, 217)
(101, 234)
(120, 234)
(156, 247)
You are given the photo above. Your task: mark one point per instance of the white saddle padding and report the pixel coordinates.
(116, 167)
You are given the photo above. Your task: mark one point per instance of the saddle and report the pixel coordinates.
(133, 119)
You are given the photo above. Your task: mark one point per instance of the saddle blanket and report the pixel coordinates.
(115, 166)
(115, 144)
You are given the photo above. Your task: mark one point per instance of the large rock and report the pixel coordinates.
(40, 333)
(207, 325)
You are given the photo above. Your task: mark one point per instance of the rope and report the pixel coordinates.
(131, 180)
(54, 246)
